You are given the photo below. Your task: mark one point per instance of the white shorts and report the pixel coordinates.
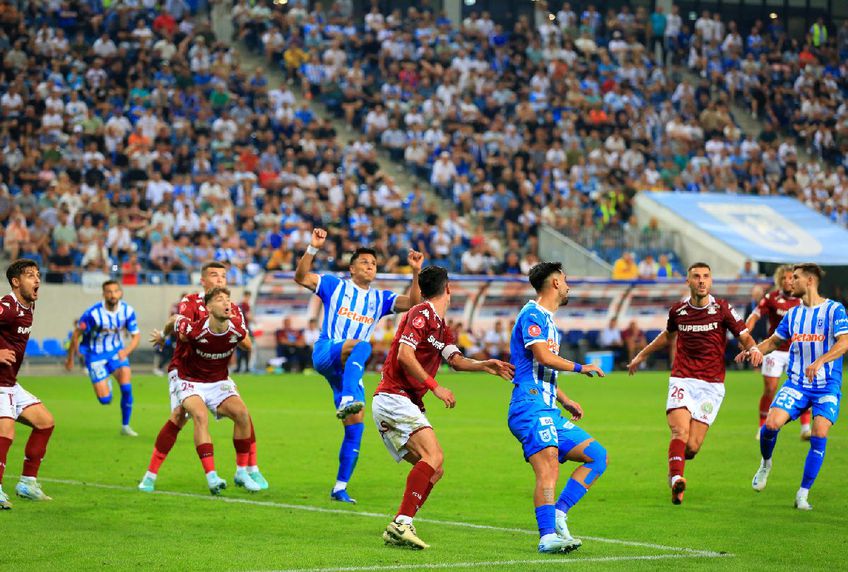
(397, 418)
(212, 394)
(774, 364)
(702, 399)
(15, 399)
(174, 389)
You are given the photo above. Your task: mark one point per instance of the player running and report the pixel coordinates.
(203, 381)
(696, 386)
(212, 275)
(16, 403)
(546, 437)
(816, 330)
(351, 310)
(775, 305)
(103, 348)
(421, 341)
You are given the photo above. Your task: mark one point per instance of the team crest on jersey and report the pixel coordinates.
(234, 339)
(534, 331)
(545, 435)
(712, 309)
(418, 322)
(820, 323)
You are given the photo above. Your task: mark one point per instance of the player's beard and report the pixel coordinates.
(564, 301)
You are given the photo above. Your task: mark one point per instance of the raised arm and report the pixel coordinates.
(403, 303)
(656, 344)
(303, 274)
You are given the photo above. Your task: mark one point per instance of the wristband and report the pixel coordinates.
(311, 250)
(755, 348)
(431, 383)
(577, 367)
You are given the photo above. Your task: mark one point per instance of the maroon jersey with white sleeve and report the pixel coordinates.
(775, 305)
(207, 355)
(702, 338)
(194, 309)
(425, 331)
(15, 326)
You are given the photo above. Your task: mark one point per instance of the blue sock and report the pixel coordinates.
(355, 367)
(814, 461)
(768, 439)
(106, 399)
(349, 453)
(571, 495)
(546, 519)
(126, 403)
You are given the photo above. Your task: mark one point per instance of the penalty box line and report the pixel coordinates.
(694, 552)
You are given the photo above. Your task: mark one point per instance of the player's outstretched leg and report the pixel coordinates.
(235, 409)
(353, 395)
(252, 463)
(348, 456)
(814, 461)
(164, 443)
(777, 418)
(42, 424)
(594, 458)
(7, 432)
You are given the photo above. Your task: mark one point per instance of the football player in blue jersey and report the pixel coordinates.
(547, 438)
(98, 336)
(351, 311)
(816, 330)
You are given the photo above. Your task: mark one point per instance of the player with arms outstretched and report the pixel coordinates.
(775, 305)
(422, 340)
(98, 336)
(16, 403)
(547, 438)
(817, 331)
(351, 311)
(203, 381)
(212, 275)
(696, 387)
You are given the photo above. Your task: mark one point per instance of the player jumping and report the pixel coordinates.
(816, 330)
(212, 275)
(103, 348)
(351, 310)
(421, 341)
(16, 403)
(203, 381)
(775, 305)
(546, 437)
(696, 385)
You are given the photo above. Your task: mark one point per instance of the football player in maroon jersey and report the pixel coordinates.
(16, 403)
(696, 386)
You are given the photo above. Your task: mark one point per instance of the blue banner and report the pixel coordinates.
(765, 229)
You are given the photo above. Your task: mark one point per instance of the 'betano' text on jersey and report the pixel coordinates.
(534, 325)
(812, 332)
(102, 334)
(350, 313)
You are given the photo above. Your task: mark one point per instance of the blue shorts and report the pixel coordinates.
(101, 366)
(327, 360)
(795, 399)
(538, 426)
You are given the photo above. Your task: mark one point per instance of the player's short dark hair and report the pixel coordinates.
(695, 265)
(432, 281)
(539, 273)
(214, 292)
(362, 250)
(212, 264)
(108, 283)
(810, 269)
(17, 268)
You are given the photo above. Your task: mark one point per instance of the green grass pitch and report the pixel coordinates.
(98, 520)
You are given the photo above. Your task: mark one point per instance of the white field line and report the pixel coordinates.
(553, 560)
(309, 508)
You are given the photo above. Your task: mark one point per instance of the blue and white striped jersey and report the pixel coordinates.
(534, 325)
(102, 334)
(350, 313)
(812, 332)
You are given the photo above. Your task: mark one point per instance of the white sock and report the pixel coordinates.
(805, 427)
(802, 492)
(403, 519)
(253, 469)
(149, 475)
(766, 464)
(340, 486)
(211, 475)
(27, 479)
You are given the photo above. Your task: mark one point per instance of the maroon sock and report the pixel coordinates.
(676, 460)
(430, 486)
(417, 484)
(5, 443)
(242, 447)
(251, 458)
(805, 417)
(765, 403)
(206, 452)
(36, 448)
(164, 443)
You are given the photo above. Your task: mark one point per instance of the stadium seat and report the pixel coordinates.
(53, 347)
(33, 349)
(573, 337)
